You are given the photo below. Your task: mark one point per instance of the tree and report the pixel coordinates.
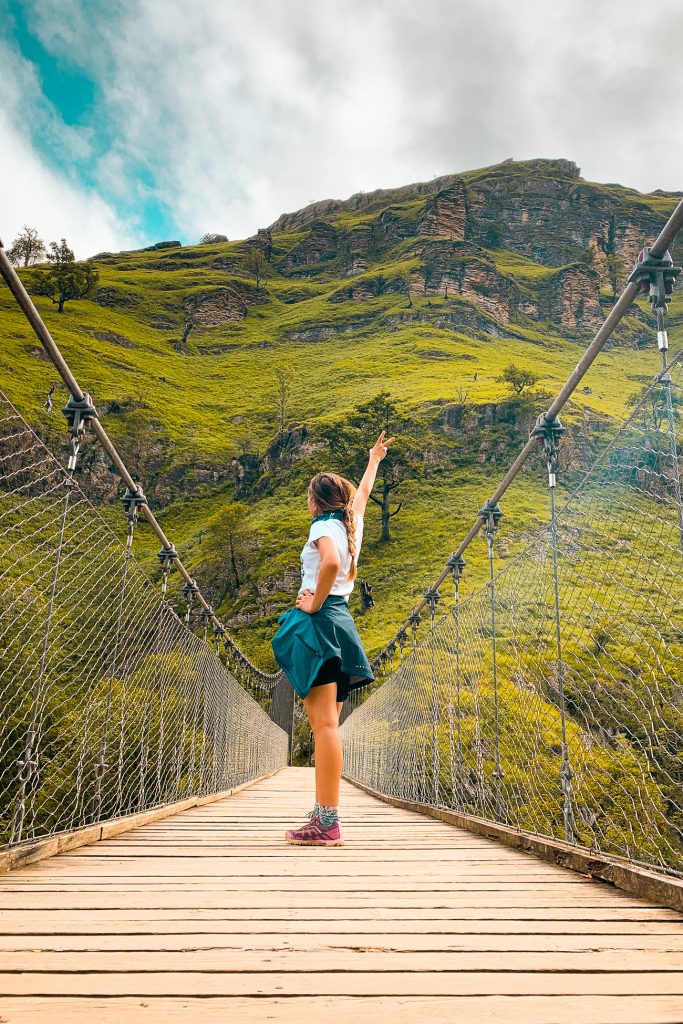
(517, 378)
(211, 238)
(405, 287)
(404, 459)
(615, 269)
(27, 248)
(227, 549)
(66, 279)
(281, 397)
(256, 264)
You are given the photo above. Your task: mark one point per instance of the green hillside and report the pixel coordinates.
(426, 293)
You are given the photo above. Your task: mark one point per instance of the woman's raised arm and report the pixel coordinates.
(377, 453)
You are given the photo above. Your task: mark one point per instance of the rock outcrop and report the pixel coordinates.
(230, 304)
(445, 216)
(318, 246)
(459, 268)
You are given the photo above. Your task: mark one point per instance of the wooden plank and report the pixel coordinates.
(541, 916)
(333, 903)
(660, 888)
(334, 1009)
(359, 940)
(34, 850)
(368, 958)
(350, 983)
(213, 909)
(106, 924)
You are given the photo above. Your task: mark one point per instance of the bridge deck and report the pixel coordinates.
(211, 916)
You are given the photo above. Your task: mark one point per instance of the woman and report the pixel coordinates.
(317, 645)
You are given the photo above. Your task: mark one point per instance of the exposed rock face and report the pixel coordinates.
(162, 245)
(217, 306)
(367, 288)
(355, 249)
(574, 298)
(287, 448)
(111, 298)
(111, 336)
(552, 220)
(457, 268)
(445, 216)
(390, 228)
(214, 306)
(328, 331)
(464, 318)
(319, 245)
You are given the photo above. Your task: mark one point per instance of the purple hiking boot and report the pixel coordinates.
(315, 834)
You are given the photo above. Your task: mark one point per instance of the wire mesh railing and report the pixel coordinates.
(551, 700)
(110, 705)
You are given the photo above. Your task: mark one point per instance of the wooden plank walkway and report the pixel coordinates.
(210, 916)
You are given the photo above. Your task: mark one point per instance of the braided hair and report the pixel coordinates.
(332, 492)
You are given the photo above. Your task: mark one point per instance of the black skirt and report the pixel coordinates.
(331, 672)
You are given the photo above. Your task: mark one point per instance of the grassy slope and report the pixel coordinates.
(228, 373)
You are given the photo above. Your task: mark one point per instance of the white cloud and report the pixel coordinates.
(37, 194)
(240, 111)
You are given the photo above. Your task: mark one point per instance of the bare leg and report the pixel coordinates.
(323, 714)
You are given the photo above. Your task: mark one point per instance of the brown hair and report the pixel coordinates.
(330, 492)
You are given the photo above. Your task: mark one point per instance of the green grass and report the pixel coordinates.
(221, 388)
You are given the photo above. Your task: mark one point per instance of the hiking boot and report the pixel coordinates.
(315, 834)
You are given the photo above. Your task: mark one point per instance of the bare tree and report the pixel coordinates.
(211, 238)
(281, 396)
(256, 264)
(27, 248)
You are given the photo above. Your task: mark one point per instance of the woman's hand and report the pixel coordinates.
(379, 449)
(306, 601)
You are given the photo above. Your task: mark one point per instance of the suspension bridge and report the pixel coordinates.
(513, 780)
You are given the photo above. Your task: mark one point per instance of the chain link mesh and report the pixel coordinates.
(109, 704)
(551, 700)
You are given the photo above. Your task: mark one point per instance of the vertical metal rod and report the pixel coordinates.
(101, 765)
(662, 338)
(27, 764)
(566, 770)
(497, 773)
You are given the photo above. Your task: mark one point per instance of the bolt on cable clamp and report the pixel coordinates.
(491, 515)
(456, 563)
(167, 557)
(654, 277)
(549, 432)
(131, 501)
(432, 596)
(78, 411)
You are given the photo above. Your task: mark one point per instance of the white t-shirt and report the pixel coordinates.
(310, 556)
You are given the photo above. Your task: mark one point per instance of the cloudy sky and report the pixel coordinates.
(124, 122)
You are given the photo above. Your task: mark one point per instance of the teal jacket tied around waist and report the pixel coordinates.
(304, 641)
